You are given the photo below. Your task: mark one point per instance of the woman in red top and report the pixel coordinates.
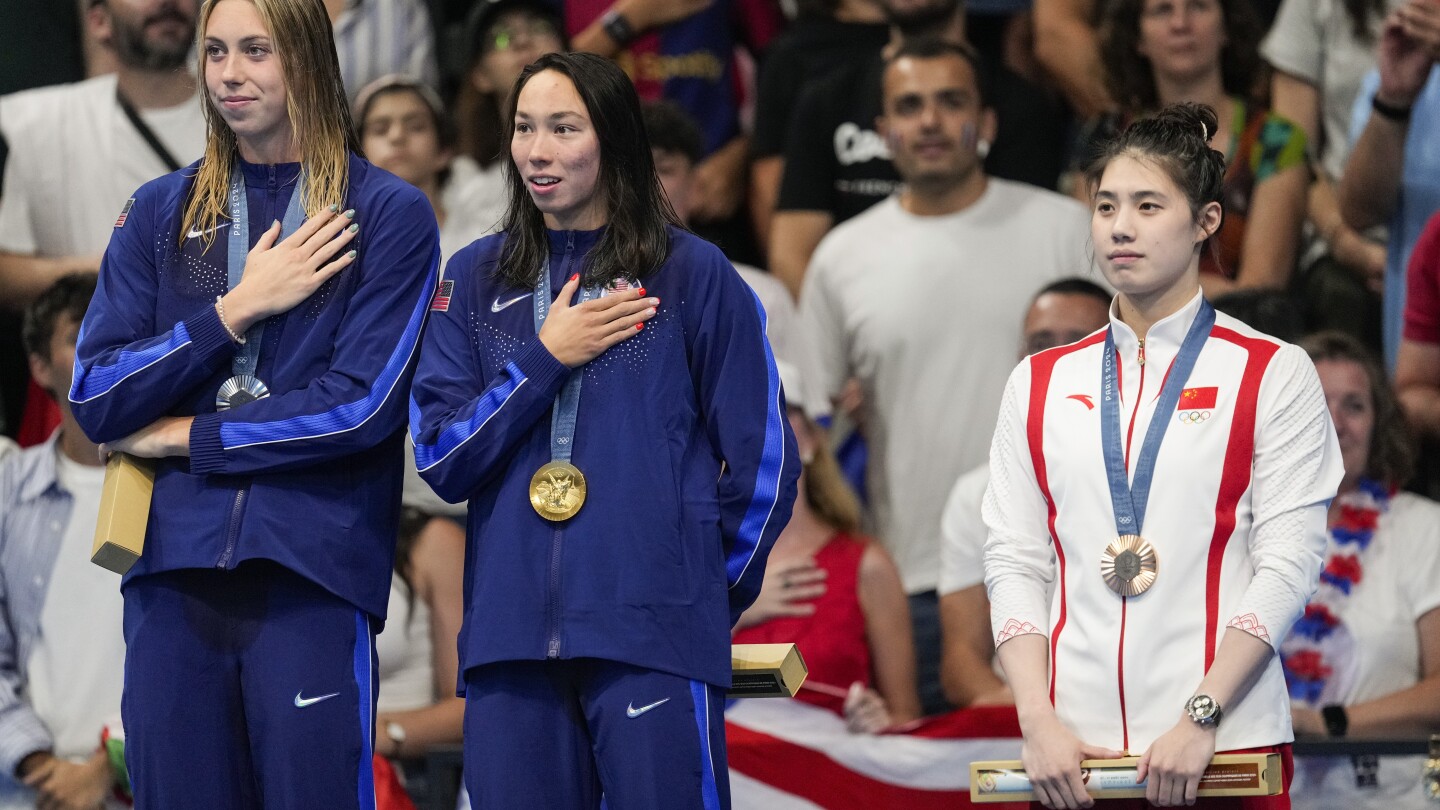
(835, 594)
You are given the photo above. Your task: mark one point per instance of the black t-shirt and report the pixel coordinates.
(806, 53)
(836, 162)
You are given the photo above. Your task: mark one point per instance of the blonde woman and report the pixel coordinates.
(254, 332)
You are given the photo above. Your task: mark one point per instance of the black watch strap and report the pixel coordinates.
(1337, 722)
(1393, 112)
(618, 28)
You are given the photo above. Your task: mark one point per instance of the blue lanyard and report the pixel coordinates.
(1129, 499)
(247, 360)
(567, 404)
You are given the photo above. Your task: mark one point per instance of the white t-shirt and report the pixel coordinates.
(76, 669)
(963, 533)
(1315, 41)
(474, 200)
(407, 672)
(74, 161)
(787, 339)
(923, 311)
(1400, 585)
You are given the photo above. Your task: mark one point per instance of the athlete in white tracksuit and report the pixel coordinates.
(1236, 513)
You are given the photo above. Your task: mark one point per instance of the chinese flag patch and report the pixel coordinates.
(124, 213)
(441, 301)
(1192, 399)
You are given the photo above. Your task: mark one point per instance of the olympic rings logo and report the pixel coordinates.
(1192, 417)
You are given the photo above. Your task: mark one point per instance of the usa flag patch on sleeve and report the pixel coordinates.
(441, 301)
(124, 213)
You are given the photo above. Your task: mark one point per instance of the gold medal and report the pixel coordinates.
(557, 491)
(1129, 565)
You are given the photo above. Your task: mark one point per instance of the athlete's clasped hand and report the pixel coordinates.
(576, 335)
(1173, 765)
(1052, 755)
(279, 276)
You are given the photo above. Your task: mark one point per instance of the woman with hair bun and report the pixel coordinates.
(1157, 502)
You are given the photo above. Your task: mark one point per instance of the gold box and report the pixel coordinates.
(124, 512)
(1228, 775)
(765, 670)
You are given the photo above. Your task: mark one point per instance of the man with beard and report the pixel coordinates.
(836, 165)
(909, 298)
(78, 150)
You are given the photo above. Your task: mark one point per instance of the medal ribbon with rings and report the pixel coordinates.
(557, 490)
(1129, 565)
(244, 386)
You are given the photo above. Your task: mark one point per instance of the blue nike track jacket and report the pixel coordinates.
(682, 438)
(310, 476)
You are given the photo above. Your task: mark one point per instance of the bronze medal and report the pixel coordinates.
(1129, 565)
(557, 491)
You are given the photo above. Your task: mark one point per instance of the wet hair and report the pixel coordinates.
(1392, 445)
(671, 129)
(69, 295)
(636, 242)
(1130, 76)
(1177, 141)
(1074, 285)
(933, 47)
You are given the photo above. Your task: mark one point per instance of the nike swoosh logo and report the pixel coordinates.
(196, 233)
(302, 702)
(496, 306)
(632, 712)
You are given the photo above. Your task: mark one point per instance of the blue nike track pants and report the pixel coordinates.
(247, 688)
(563, 734)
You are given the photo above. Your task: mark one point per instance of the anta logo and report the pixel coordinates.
(856, 145)
(1084, 399)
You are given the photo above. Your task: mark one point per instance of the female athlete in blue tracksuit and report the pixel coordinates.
(275, 415)
(595, 648)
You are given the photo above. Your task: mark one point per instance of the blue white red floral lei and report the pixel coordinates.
(1309, 653)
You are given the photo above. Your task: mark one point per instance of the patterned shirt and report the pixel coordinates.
(374, 38)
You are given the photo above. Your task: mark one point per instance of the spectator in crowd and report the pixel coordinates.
(77, 151)
(675, 142)
(405, 130)
(1393, 174)
(901, 296)
(1161, 52)
(685, 52)
(824, 39)
(1417, 370)
(1320, 51)
(375, 38)
(1202, 578)
(505, 36)
(1365, 659)
(1067, 45)
(837, 165)
(417, 708)
(61, 647)
(277, 449)
(1270, 311)
(1062, 312)
(835, 593)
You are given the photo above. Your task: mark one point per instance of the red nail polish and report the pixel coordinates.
(577, 275)
(642, 290)
(639, 326)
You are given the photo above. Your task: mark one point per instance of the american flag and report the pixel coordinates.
(124, 212)
(441, 301)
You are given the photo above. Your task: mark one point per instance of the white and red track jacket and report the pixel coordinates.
(1236, 515)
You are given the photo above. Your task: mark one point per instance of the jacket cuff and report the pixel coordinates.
(21, 734)
(540, 367)
(207, 454)
(209, 339)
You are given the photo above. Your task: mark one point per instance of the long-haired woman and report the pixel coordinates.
(596, 382)
(1157, 500)
(254, 331)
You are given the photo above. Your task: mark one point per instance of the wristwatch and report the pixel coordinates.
(1204, 711)
(1337, 720)
(618, 28)
(396, 733)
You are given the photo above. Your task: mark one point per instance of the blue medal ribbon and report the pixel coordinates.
(247, 360)
(567, 404)
(1129, 499)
